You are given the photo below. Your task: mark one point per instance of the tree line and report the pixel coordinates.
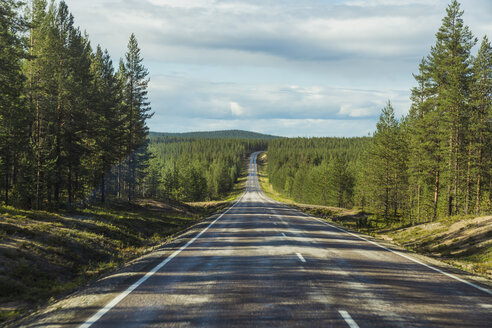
(69, 123)
(434, 162)
(437, 160)
(189, 169)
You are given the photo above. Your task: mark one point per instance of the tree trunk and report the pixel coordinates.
(102, 189)
(456, 170)
(479, 175)
(118, 181)
(58, 157)
(69, 185)
(436, 194)
(7, 180)
(450, 170)
(468, 179)
(418, 202)
(38, 159)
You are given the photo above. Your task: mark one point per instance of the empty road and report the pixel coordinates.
(263, 264)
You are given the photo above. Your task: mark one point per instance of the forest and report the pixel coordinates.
(192, 169)
(316, 170)
(71, 126)
(434, 162)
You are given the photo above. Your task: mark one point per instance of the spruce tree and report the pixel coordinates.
(383, 165)
(138, 111)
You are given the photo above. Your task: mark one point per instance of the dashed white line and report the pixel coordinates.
(299, 255)
(348, 319)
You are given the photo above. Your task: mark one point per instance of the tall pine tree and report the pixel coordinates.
(138, 111)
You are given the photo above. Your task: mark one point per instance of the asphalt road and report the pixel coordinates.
(263, 264)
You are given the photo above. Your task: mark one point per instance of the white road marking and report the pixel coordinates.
(407, 257)
(130, 289)
(301, 257)
(348, 319)
(283, 234)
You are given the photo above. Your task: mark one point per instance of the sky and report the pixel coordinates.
(283, 67)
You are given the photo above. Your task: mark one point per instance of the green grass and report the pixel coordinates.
(45, 254)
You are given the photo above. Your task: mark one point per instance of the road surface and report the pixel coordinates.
(263, 264)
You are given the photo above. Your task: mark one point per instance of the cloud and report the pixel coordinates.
(229, 101)
(236, 109)
(308, 67)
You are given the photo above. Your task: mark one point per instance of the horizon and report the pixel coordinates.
(250, 131)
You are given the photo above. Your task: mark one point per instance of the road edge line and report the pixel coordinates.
(98, 315)
(483, 289)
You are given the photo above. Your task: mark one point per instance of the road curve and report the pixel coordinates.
(263, 264)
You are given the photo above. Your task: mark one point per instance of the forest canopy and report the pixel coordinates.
(69, 122)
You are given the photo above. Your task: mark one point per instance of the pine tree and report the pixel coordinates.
(105, 129)
(138, 108)
(14, 116)
(450, 64)
(423, 145)
(482, 118)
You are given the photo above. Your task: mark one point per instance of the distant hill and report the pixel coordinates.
(222, 134)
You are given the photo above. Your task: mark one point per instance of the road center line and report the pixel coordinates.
(130, 289)
(348, 319)
(299, 255)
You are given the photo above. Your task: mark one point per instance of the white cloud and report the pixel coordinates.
(236, 109)
(183, 3)
(351, 111)
(379, 3)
